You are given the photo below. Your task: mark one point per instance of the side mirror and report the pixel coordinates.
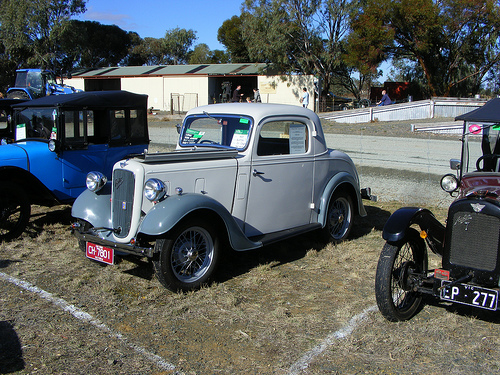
(455, 164)
(179, 127)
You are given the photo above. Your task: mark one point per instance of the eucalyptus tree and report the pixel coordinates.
(31, 30)
(299, 36)
(455, 42)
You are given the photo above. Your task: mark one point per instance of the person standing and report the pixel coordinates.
(305, 98)
(256, 96)
(385, 100)
(236, 94)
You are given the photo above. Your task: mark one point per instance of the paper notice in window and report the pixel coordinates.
(20, 131)
(240, 137)
(297, 139)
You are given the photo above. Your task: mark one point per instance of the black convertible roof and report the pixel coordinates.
(489, 112)
(93, 99)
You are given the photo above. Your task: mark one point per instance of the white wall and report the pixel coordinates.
(151, 86)
(286, 89)
(190, 91)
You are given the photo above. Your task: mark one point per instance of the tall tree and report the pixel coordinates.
(202, 54)
(299, 35)
(455, 42)
(88, 44)
(30, 30)
(173, 49)
(178, 43)
(231, 36)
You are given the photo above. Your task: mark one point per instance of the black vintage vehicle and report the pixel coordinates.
(469, 242)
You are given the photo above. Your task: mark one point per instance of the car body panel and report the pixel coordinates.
(263, 170)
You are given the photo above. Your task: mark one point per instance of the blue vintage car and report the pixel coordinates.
(243, 176)
(56, 140)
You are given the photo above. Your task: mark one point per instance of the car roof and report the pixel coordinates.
(94, 99)
(255, 110)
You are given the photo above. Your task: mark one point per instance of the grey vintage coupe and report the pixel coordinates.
(242, 176)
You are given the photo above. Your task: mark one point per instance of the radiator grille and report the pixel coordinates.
(123, 198)
(474, 240)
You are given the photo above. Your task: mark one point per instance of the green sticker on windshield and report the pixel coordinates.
(496, 127)
(194, 133)
(244, 121)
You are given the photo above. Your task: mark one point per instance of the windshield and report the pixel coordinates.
(35, 123)
(216, 130)
(481, 148)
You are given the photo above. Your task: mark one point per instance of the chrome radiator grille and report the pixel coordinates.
(474, 240)
(122, 203)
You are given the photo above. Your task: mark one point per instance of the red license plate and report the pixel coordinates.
(100, 253)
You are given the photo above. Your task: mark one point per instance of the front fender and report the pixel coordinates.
(333, 184)
(166, 214)
(94, 207)
(397, 225)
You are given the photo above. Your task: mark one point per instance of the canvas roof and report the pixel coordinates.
(94, 99)
(489, 112)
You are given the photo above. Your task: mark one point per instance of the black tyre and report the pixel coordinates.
(187, 259)
(339, 218)
(15, 211)
(395, 281)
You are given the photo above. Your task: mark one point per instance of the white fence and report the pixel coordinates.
(422, 109)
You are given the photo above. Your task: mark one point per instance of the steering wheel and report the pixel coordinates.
(209, 141)
(487, 159)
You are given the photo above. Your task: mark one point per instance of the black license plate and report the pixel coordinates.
(470, 295)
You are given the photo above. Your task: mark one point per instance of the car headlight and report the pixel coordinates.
(95, 181)
(449, 183)
(154, 189)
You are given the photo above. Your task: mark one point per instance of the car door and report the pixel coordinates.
(282, 173)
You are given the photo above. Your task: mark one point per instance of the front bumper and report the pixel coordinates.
(119, 247)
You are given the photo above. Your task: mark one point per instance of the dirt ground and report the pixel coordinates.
(291, 308)
(297, 307)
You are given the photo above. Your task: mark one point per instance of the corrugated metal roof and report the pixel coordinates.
(198, 69)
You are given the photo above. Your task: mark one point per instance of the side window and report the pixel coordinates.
(118, 123)
(78, 127)
(137, 121)
(283, 138)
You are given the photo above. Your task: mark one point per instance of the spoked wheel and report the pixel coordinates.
(188, 258)
(396, 278)
(15, 211)
(339, 218)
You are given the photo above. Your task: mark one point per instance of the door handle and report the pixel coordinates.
(256, 173)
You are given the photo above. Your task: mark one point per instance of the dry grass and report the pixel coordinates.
(265, 310)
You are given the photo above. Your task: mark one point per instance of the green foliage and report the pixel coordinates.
(301, 36)
(31, 30)
(173, 49)
(91, 44)
(231, 36)
(203, 55)
(455, 42)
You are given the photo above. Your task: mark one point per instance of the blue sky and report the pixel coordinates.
(152, 18)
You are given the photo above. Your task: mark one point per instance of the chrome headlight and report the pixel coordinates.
(95, 181)
(154, 189)
(449, 183)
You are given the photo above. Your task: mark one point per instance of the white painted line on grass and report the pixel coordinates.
(82, 315)
(342, 333)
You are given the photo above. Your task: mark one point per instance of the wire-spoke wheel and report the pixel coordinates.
(15, 211)
(397, 273)
(339, 217)
(188, 258)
